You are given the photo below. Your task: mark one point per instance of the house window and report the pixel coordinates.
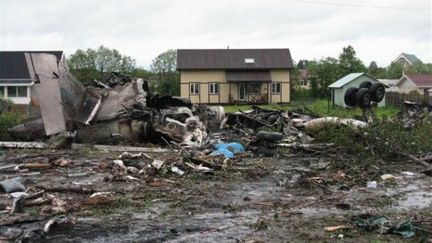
(214, 88)
(276, 88)
(194, 88)
(253, 87)
(1, 92)
(17, 91)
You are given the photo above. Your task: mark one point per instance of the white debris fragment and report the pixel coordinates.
(128, 155)
(132, 178)
(372, 184)
(132, 170)
(19, 194)
(98, 194)
(199, 168)
(176, 170)
(158, 163)
(119, 163)
(320, 123)
(386, 177)
(407, 173)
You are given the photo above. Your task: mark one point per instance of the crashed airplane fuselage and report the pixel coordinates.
(128, 112)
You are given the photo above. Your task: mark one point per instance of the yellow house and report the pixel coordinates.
(226, 76)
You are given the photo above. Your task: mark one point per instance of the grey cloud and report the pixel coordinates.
(142, 29)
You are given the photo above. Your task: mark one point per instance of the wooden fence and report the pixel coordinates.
(396, 99)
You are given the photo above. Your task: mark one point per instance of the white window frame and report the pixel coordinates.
(194, 88)
(17, 92)
(212, 88)
(274, 87)
(249, 60)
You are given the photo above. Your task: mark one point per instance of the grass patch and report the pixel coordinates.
(379, 139)
(321, 108)
(260, 225)
(365, 153)
(122, 205)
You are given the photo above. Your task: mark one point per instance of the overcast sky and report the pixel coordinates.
(378, 29)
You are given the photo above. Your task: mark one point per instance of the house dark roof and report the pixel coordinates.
(13, 65)
(248, 75)
(411, 58)
(234, 59)
(421, 80)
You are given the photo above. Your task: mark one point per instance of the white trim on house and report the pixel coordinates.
(12, 84)
(17, 100)
(402, 79)
(404, 57)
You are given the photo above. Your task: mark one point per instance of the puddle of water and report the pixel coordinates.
(415, 200)
(151, 212)
(318, 212)
(217, 226)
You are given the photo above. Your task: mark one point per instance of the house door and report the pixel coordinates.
(242, 91)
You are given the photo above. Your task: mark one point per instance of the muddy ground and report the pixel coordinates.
(286, 199)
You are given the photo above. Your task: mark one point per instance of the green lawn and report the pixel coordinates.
(319, 107)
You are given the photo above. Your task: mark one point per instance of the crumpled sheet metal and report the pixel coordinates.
(124, 112)
(48, 91)
(415, 113)
(112, 131)
(80, 103)
(61, 96)
(12, 185)
(30, 130)
(116, 101)
(191, 132)
(320, 123)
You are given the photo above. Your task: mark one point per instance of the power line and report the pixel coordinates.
(359, 5)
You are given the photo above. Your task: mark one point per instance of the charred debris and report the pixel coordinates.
(119, 115)
(122, 110)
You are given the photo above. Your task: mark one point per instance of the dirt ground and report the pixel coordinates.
(286, 199)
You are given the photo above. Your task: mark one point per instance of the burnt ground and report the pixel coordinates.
(253, 200)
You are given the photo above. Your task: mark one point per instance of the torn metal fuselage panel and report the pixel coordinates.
(47, 87)
(124, 112)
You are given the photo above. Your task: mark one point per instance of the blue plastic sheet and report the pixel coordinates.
(228, 150)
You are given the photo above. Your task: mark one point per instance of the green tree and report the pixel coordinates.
(164, 68)
(395, 70)
(375, 71)
(302, 64)
(322, 74)
(295, 76)
(88, 65)
(372, 66)
(349, 63)
(314, 86)
(420, 68)
(429, 67)
(142, 73)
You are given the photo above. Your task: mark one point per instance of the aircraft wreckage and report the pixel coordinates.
(121, 109)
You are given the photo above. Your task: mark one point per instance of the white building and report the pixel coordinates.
(15, 80)
(339, 87)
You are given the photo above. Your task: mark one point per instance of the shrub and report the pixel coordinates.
(380, 139)
(5, 105)
(301, 93)
(7, 120)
